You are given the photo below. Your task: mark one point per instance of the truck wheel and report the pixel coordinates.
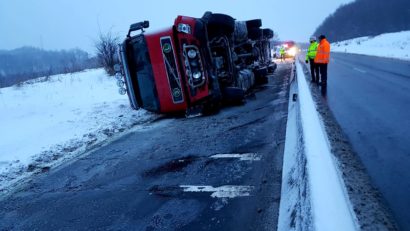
(219, 23)
(233, 95)
(254, 23)
(267, 33)
(255, 33)
(241, 32)
(261, 75)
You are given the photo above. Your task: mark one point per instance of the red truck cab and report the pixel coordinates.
(164, 71)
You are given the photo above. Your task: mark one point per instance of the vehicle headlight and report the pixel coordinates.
(120, 83)
(118, 76)
(184, 28)
(192, 53)
(292, 51)
(197, 75)
(117, 67)
(122, 91)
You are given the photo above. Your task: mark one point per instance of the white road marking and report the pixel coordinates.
(225, 191)
(240, 156)
(359, 70)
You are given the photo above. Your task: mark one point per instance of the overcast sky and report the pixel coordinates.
(65, 24)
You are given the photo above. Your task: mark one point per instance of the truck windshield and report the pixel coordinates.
(141, 73)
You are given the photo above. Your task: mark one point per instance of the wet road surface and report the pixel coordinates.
(220, 172)
(370, 99)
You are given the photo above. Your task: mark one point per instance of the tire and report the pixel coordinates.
(219, 23)
(241, 32)
(254, 23)
(272, 68)
(233, 95)
(261, 75)
(254, 33)
(267, 33)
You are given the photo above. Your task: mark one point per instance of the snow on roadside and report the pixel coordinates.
(49, 120)
(390, 45)
(331, 207)
(313, 193)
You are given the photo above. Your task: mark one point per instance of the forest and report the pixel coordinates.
(366, 18)
(26, 63)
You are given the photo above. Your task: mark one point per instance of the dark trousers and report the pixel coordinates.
(314, 70)
(323, 73)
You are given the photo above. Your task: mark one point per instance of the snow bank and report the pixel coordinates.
(313, 193)
(391, 45)
(44, 120)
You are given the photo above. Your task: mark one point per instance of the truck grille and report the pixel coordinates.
(172, 69)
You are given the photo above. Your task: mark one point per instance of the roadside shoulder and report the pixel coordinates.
(367, 202)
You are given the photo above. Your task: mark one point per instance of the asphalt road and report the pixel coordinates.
(165, 176)
(370, 99)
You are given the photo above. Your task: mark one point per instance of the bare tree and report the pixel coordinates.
(106, 51)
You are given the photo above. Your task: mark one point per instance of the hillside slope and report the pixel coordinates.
(390, 45)
(366, 18)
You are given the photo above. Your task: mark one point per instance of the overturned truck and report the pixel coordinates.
(195, 64)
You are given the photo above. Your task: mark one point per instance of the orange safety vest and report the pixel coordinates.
(323, 52)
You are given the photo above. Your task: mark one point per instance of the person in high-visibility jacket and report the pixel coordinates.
(322, 60)
(310, 58)
(282, 53)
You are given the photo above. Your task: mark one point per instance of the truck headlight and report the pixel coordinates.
(120, 83)
(117, 67)
(184, 28)
(122, 91)
(118, 76)
(192, 54)
(197, 75)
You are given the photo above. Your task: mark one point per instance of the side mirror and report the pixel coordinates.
(138, 26)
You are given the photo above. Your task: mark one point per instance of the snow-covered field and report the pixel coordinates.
(47, 121)
(391, 45)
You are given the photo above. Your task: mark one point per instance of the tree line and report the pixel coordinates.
(26, 63)
(366, 18)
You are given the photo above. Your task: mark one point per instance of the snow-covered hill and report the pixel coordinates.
(48, 120)
(391, 45)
